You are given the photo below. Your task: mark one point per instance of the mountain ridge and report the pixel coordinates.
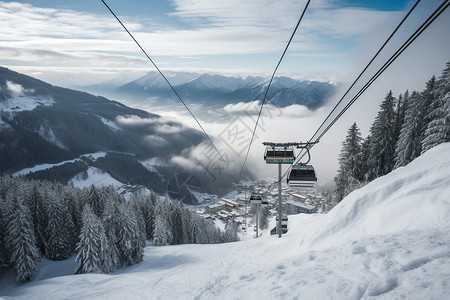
(41, 123)
(219, 90)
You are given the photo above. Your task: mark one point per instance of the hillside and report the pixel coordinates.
(388, 240)
(41, 124)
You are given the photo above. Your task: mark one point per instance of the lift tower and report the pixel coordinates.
(279, 153)
(283, 153)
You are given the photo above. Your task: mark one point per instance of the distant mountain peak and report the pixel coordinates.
(219, 90)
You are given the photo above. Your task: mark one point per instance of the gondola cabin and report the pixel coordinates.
(284, 223)
(279, 155)
(302, 176)
(255, 199)
(264, 202)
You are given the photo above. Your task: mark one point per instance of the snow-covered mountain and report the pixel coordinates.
(218, 90)
(41, 124)
(388, 240)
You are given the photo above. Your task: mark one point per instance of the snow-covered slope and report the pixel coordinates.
(389, 240)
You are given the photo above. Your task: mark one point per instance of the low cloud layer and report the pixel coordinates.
(16, 90)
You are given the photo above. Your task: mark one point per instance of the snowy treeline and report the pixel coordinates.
(43, 219)
(404, 128)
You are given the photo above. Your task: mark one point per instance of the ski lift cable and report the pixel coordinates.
(171, 86)
(348, 90)
(366, 67)
(444, 5)
(399, 51)
(268, 87)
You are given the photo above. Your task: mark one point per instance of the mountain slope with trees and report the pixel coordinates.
(53, 221)
(41, 123)
(404, 128)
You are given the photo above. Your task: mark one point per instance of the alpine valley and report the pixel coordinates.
(54, 133)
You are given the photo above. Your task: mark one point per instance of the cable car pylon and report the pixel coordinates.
(283, 153)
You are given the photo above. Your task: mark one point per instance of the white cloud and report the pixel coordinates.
(217, 28)
(238, 36)
(155, 140)
(243, 107)
(17, 90)
(161, 125)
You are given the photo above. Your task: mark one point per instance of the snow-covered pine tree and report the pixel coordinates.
(213, 234)
(162, 234)
(264, 216)
(92, 248)
(409, 143)
(20, 239)
(150, 204)
(382, 132)
(95, 201)
(349, 174)
(136, 211)
(4, 255)
(60, 231)
(40, 219)
(177, 224)
(400, 112)
(111, 223)
(130, 242)
(438, 129)
(75, 209)
(196, 232)
(365, 154)
(187, 224)
(230, 233)
(428, 98)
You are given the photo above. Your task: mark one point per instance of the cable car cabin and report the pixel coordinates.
(279, 155)
(255, 199)
(264, 202)
(302, 176)
(284, 224)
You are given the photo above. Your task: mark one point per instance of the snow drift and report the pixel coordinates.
(388, 240)
(416, 196)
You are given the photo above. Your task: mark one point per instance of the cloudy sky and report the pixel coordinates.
(79, 43)
(82, 41)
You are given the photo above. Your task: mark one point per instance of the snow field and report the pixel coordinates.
(388, 240)
(18, 104)
(41, 167)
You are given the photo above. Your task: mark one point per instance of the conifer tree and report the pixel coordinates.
(150, 204)
(400, 111)
(162, 234)
(71, 201)
(4, 255)
(92, 246)
(129, 237)
(40, 218)
(230, 234)
(409, 143)
(60, 230)
(438, 129)
(24, 255)
(382, 132)
(196, 230)
(177, 224)
(365, 155)
(264, 215)
(349, 174)
(95, 201)
(111, 223)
